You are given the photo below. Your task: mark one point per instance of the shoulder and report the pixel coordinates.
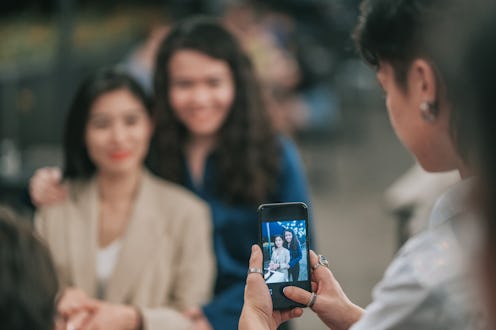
(432, 257)
(169, 195)
(419, 285)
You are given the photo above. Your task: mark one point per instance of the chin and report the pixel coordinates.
(436, 167)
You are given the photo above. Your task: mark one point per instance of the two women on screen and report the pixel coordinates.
(122, 239)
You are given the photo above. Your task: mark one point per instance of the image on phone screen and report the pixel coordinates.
(285, 251)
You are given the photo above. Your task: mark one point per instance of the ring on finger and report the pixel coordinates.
(252, 270)
(322, 262)
(312, 300)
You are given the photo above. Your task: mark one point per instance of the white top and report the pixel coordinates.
(426, 285)
(106, 258)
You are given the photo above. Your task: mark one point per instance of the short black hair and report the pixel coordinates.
(394, 31)
(28, 281)
(77, 163)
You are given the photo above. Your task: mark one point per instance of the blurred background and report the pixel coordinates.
(318, 92)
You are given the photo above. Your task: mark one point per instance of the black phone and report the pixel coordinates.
(285, 242)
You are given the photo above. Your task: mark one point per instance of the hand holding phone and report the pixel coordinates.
(284, 240)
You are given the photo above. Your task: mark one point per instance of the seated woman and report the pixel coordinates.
(131, 250)
(279, 262)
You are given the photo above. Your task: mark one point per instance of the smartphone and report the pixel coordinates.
(285, 242)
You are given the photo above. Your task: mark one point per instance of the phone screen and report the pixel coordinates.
(285, 244)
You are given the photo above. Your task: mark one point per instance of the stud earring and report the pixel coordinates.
(428, 110)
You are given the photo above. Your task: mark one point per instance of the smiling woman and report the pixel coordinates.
(121, 240)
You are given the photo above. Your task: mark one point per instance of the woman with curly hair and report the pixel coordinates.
(292, 243)
(214, 136)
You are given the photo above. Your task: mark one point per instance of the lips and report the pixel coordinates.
(120, 155)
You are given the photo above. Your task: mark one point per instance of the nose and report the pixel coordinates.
(118, 133)
(200, 95)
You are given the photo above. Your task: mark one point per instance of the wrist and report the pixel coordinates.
(134, 317)
(353, 314)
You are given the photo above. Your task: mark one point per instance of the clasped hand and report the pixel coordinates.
(78, 311)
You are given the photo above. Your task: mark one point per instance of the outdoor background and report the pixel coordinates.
(319, 93)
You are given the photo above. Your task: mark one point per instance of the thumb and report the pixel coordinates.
(297, 294)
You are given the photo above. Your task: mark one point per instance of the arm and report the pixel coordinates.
(296, 258)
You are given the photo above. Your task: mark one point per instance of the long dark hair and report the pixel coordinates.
(247, 153)
(77, 163)
(295, 242)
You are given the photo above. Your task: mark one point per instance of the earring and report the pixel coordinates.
(428, 110)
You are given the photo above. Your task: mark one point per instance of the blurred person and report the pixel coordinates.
(279, 261)
(292, 243)
(214, 137)
(28, 282)
(127, 245)
(472, 79)
(427, 285)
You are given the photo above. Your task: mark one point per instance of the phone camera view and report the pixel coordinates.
(284, 251)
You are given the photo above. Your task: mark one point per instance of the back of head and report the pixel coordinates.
(395, 30)
(28, 283)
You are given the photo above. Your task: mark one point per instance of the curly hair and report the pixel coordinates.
(295, 243)
(247, 153)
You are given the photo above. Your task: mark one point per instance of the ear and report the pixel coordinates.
(422, 81)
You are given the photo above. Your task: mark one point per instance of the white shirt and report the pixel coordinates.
(426, 285)
(106, 258)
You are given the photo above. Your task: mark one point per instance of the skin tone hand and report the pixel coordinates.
(45, 187)
(257, 311)
(332, 305)
(75, 308)
(82, 312)
(113, 317)
(200, 322)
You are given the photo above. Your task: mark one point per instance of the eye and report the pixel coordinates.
(214, 82)
(100, 123)
(131, 120)
(183, 84)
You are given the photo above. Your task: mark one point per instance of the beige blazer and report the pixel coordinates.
(166, 261)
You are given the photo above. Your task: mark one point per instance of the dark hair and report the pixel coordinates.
(276, 236)
(77, 163)
(295, 242)
(398, 31)
(28, 282)
(394, 31)
(472, 77)
(247, 153)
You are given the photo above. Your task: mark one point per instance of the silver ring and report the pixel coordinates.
(313, 298)
(255, 270)
(322, 262)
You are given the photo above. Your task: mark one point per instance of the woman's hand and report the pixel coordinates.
(200, 322)
(109, 316)
(331, 305)
(72, 301)
(45, 187)
(257, 310)
(75, 308)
